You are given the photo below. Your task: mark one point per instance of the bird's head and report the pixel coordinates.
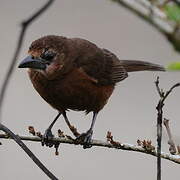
(46, 55)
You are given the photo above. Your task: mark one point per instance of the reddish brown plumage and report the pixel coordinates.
(80, 76)
(75, 74)
(75, 91)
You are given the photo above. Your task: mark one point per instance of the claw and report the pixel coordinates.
(85, 138)
(46, 138)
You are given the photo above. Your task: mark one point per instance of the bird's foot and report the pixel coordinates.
(85, 138)
(47, 137)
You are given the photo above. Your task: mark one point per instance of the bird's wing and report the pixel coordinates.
(102, 66)
(117, 72)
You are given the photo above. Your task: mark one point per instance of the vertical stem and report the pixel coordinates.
(159, 138)
(159, 109)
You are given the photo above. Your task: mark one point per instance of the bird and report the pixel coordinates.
(75, 74)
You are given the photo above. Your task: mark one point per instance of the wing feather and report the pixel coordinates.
(101, 65)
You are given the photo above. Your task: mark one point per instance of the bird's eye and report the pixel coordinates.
(48, 55)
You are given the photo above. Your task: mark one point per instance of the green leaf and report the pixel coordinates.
(175, 66)
(173, 12)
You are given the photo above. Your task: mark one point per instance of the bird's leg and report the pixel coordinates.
(86, 138)
(48, 133)
(71, 127)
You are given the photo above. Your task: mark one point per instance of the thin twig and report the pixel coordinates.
(163, 96)
(159, 137)
(156, 17)
(159, 127)
(24, 26)
(170, 90)
(18, 140)
(105, 144)
(172, 148)
(157, 86)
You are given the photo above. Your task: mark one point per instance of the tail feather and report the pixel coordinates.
(134, 65)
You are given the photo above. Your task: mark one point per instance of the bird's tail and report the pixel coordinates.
(133, 65)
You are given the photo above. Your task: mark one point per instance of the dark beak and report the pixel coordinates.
(30, 62)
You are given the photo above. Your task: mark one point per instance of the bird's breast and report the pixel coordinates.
(74, 91)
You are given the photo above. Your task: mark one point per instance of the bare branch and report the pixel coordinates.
(170, 90)
(157, 87)
(25, 24)
(18, 140)
(172, 148)
(154, 15)
(99, 143)
(159, 108)
(159, 127)
(159, 136)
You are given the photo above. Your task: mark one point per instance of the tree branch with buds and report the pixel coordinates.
(144, 146)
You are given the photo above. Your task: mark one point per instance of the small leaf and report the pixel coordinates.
(174, 66)
(173, 12)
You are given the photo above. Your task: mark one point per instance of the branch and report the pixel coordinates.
(159, 108)
(99, 143)
(172, 146)
(154, 15)
(25, 24)
(17, 139)
(163, 96)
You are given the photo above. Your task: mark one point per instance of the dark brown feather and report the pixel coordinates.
(135, 65)
(82, 76)
(76, 91)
